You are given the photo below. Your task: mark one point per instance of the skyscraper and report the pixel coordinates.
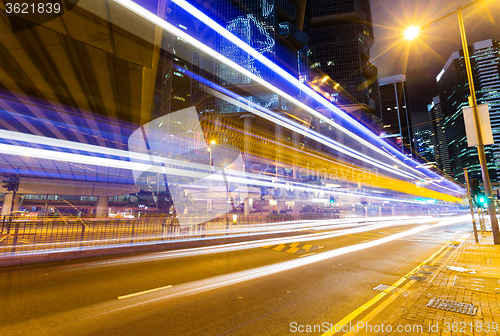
(454, 91)
(340, 38)
(425, 144)
(394, 111)
(267, 26)
(438, 133)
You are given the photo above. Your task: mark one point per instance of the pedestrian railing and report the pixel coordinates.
(24, 237)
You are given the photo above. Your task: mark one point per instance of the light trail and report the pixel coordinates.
(187, 169)
(350, 227)
(198, 45)
(221, 281)
(397, 156)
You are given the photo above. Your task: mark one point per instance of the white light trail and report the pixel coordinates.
(204, 285)
(201, 46)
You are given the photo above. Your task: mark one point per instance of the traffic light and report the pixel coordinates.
(474, 187)
(332, 199)
(480, 200)
(12, 182)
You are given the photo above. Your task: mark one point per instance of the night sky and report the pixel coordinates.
(423, 58)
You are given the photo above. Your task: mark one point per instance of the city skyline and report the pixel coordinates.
(426, 56)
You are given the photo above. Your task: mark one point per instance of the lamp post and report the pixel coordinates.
(412, 33)
(209, 202)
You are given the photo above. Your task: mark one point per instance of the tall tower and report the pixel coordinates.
(439, 135)
(341, 35)
(454, 91)
(425, 144)
(394, 111)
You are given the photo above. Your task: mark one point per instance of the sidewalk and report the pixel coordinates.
(470, 280)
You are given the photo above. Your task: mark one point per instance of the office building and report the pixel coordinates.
(424, 138)
(394, 112)
(438, 131)
(454, 91)
(340, 38)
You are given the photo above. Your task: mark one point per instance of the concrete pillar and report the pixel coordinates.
(281, 205)
(297, 205)
(102, 207)
(247, 139)
(380, 210)
(393, 210)
(7, 202)
(248, 207)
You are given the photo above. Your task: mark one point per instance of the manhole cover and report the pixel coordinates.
(453, 306)
(418, 278)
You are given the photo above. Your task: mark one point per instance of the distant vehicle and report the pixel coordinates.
(307, 209)
(24, 213)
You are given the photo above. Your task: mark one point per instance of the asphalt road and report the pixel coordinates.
(237, 289)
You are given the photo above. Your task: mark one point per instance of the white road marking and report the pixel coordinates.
(305, 255)
(143, 292)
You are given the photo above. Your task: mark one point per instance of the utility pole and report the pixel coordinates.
(470, 205)
(480, 147)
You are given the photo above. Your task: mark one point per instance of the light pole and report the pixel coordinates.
(209, 202)
(412, 33)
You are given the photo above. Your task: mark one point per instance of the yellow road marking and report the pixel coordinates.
(307, 246)
(143, 292)
(292, 250)
(381, 307)
(370, 303)
(294, 244)
(440, 257)
(279, 247)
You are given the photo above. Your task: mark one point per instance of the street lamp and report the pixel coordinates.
(209, 201)
(412, 33)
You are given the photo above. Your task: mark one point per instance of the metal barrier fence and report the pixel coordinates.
(25, 237)
(30, 237)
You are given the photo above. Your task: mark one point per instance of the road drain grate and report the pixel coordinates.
(453, 306)
(418, 278)
(425, 272)
(430, 268)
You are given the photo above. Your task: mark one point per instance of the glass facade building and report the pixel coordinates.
(439, 135)
(394, 111)
(425, 144)
(454, 91)
(341, 35)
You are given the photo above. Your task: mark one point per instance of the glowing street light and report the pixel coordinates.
(488, 199)
(411, 33)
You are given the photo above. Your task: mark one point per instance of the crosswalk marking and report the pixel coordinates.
(294, 248)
